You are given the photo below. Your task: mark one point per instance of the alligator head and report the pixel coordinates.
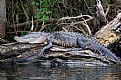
(33, 37)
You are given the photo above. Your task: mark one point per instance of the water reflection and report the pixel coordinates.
(37, 71)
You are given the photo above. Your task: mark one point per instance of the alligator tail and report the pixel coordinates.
(85, 43)
(107, 53)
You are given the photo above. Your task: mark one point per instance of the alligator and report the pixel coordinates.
(67, 39)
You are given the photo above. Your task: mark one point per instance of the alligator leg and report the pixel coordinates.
(42, 51)
(83, 43)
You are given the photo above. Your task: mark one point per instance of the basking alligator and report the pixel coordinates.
(67, 39)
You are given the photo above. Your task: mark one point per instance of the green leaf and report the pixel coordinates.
(44, 11)
(41, 1)
(44, 18)
(33, 2)
(107, 2)
(37, 3)
(48, 12)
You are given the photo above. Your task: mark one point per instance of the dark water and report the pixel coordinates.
(37, 71)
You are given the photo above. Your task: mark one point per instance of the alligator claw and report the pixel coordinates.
(41, 54)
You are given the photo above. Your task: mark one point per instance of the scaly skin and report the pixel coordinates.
(67, 39)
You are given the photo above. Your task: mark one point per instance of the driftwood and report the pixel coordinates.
(13, 49)
(100, 14)
(74, 23)
(57, 55)
(110, 33)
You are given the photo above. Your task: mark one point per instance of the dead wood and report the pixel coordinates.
(110, 33)
(19, 25)
(54, 53)
(77, 23)
(100, 14)
(10, 49)
(28, 51)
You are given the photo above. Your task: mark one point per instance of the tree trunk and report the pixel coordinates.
(2, 18)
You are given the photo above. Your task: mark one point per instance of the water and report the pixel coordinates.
(37, 71)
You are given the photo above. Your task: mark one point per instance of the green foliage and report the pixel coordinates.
(107, 2)
(42, 9)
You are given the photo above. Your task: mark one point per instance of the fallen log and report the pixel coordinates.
(16, 47)
(62, 55)
(9, 50)
(110, 33)
(27, 53)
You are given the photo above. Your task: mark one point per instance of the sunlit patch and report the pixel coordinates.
(18, 56)
(107, 38)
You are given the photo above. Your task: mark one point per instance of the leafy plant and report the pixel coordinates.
(42, 9)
